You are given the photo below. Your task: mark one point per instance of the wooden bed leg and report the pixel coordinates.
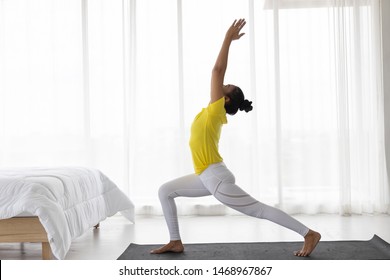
(96, 226)
(46, 251)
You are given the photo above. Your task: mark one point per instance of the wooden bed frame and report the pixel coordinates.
(26, 229)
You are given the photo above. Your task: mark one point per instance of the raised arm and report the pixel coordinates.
(219, 69)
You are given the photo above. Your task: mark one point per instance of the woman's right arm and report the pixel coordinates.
(219, 69)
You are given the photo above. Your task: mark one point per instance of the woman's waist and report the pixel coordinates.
(217, 170)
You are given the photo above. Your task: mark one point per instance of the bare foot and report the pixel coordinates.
(174, 246)
(311, 240)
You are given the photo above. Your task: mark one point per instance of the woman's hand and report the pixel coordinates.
(233, 32)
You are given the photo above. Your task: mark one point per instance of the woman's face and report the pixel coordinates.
(227, 89)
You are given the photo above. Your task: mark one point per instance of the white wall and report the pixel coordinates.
(386, 74)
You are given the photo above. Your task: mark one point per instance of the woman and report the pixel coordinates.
(211, 175)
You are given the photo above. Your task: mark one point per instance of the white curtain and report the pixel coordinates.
(115, 84)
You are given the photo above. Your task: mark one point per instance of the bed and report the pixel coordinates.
(53, 206)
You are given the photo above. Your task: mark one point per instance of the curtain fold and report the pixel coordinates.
(115, 84)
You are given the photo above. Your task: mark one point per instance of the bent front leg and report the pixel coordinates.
(187, 186)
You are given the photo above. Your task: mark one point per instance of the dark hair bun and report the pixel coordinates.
(246, 106)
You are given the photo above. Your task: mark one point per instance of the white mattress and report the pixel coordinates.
(68, 201)
(25, 214)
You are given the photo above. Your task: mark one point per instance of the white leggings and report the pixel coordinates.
(218, 181)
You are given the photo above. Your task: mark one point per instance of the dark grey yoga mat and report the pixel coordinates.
(374, 249)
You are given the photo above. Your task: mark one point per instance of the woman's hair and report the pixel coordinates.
(237, 101)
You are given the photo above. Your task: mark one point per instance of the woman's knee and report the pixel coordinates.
(165, 191)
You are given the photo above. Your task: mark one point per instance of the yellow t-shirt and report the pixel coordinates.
(205, 134)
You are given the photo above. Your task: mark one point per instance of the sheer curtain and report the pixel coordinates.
(115, 84)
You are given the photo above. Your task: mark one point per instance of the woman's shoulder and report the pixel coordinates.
(220, 101)
(217, 108)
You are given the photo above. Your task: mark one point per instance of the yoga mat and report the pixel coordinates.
(374, 249)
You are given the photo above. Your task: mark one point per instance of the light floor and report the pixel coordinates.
(116, 233)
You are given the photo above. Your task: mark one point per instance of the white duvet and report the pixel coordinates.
(68, 201)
